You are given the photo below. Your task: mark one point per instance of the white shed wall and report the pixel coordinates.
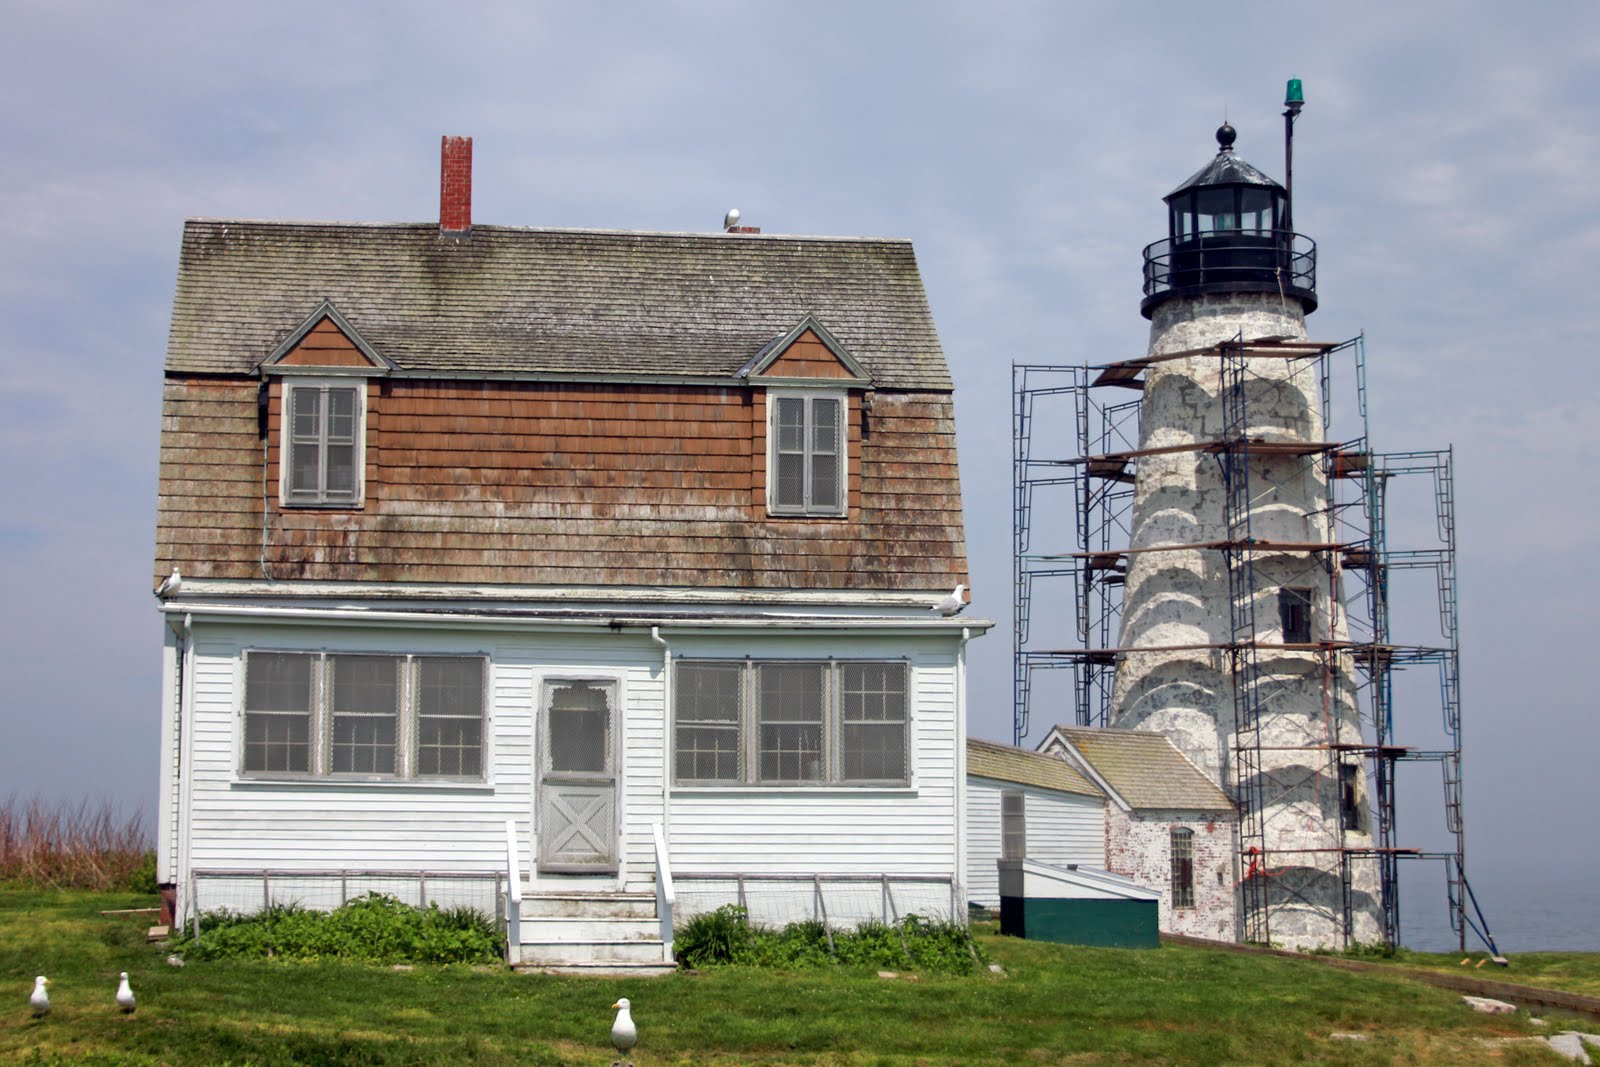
(1061, 828)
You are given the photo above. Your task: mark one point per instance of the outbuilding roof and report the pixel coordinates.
(505, 300)
(1004, 763)
(1145, 769)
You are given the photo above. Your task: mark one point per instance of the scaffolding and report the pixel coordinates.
(1071, 534)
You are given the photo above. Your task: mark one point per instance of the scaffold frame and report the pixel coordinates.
(1091, 559)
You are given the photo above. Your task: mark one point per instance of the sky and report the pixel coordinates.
(1444, 163)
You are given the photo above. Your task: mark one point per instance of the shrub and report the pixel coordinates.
(714, 937)
(376, 928)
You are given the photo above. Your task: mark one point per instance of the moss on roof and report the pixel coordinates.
(509, 300)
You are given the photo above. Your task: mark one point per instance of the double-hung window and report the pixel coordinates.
(778, 722)
(363, 715)
(322, 454)
(806, 454)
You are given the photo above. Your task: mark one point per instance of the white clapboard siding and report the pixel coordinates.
(238, 823)
(1061, 828)
(235, 823)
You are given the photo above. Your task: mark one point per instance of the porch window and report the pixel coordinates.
(350, 715)
(1182, 867)
(780, 722)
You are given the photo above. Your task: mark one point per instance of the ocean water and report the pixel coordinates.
(1538, 910)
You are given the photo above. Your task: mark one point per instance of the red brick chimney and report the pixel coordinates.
(455, 184)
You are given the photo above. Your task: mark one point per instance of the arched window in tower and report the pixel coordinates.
(1182, 867)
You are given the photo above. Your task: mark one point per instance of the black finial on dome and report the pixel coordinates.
(1226, 135)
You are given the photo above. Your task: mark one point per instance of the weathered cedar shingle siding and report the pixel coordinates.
(512, 300)
(560, 483)
(500, 448)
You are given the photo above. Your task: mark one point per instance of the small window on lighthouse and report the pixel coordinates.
(1294, 612)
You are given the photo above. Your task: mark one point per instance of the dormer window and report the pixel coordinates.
(322, 442)
(806, 461)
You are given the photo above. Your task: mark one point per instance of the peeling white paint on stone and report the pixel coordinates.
(1139, 846)
(1181, 597)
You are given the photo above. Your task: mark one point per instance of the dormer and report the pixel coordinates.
(812, 387)
(320, 441)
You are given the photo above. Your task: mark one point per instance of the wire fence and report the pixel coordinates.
(249, 891)
(840, 901)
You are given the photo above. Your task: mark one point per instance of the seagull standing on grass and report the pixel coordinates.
(125, 995)
(624, 1035)
(952, 604)
(40, 1001)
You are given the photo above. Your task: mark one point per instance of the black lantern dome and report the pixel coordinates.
(1227, 233)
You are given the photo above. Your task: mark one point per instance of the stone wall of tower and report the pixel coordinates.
(1181, 598)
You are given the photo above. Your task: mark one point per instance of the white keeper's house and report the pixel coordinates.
(635, 542)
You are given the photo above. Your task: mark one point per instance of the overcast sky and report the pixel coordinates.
(1445, 164)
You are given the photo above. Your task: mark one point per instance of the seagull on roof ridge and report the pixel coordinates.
(952, 604)
(624, 1035)
(40, 1001)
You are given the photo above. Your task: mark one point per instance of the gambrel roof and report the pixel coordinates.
(549, 303)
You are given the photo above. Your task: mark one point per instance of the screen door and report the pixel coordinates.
(578, 778)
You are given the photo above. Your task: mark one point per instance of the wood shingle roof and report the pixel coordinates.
(546, 302)
(1145, 769)
(1004, 763)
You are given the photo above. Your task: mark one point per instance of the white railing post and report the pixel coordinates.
(513, 896)
(666, 896)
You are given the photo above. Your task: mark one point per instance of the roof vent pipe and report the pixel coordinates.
(455, 185)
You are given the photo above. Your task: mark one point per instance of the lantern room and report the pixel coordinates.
(1228, 232)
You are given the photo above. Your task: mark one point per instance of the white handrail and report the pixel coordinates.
(666, 896)
(513, 895)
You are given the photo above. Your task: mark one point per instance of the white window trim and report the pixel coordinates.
(1021, 799)
(807, 510)
(832, 730)
(320, 757)
(289, 383)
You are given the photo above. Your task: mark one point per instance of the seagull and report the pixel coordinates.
(41, 1000)
(624, 1035)
(125, 995)
(731, 219)
(952, 604)
(169, 585)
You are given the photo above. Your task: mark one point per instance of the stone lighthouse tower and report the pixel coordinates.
(1233, 640)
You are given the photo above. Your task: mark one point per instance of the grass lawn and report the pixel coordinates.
(1575, 972)
(1055, 1005)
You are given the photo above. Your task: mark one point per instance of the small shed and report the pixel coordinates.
(1168, 826)
(1077, 905)
(1021, 803)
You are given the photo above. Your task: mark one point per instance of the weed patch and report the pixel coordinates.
(86, 847)
(726, 937)
(376, 928)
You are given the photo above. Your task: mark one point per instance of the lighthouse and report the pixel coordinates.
(1233, 640)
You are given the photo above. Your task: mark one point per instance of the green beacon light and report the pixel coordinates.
(1294, 97)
